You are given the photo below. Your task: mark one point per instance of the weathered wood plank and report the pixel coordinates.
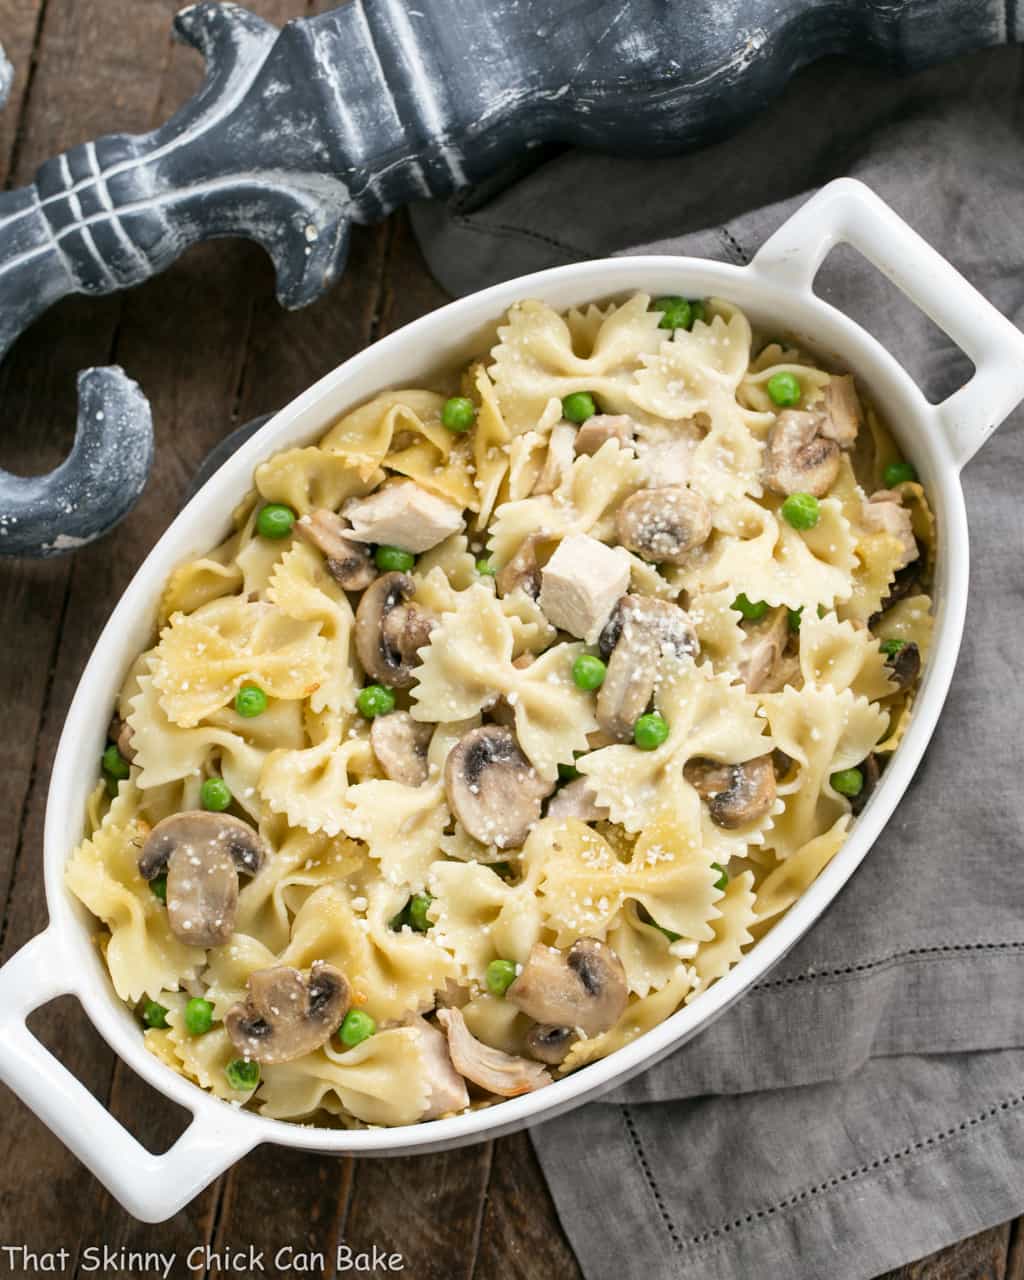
(20, 29)
(1015, 1253)
(981, 1257)
(521, 1236)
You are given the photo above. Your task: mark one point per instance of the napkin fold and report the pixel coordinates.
(862, 1105)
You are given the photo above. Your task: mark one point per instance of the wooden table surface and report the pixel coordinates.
(211, 349)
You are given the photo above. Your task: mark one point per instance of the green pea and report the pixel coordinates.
(250, 701)
(892, 647)
(499, 976)
(568, 772)
(795, 617)
(112, 785)
(393, 559)
(375, 700)
(198, 1016)
(114, 763)
(242, 1075)
(650, 731)
(485, 568)
(822, 611)
(751, 609)
(153, 1014)
(215, 795)
(848, 782)
(697, 310)
(588, 672)
(579, 406)
(801, 511)
(357, 1027)
(723, 878)
(899, 473)
(784, 389)
(458, 413)
(677, 313)
(419, 905)
(159, 888)
(275, 521)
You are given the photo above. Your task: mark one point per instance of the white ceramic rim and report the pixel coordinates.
(777, 288)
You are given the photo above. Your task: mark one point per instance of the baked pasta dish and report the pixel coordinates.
(508, 716)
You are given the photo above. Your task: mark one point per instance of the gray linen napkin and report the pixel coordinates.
(863, 1105)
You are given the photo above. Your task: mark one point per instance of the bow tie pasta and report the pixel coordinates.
(509, 715)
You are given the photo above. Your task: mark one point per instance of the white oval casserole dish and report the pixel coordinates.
(775, 289)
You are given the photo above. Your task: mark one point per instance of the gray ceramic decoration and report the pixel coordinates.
(298, 133)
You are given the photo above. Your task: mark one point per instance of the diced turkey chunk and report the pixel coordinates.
(581, 584)
(666, 462)
(884, 513)
(601, 428)
(447, 1089)
(402, 515)
(840, 409)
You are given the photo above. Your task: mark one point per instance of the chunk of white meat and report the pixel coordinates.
(559, 458)
(448, 1092)
(884, 513)
(841, 414)
(577, 800)
(491, 1069)
(581, 584)
(402, 515)
(601, 428)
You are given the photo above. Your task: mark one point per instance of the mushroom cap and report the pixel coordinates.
(664, 525)
(523, 570)
(643, 631)
(389, 632)
(286, 1013)
(121, 733)
(492, 1069)
(202, 854)
(905, 666)
(400, 744)
(737, 794)
(492, 788)
(798, 459)
(202, 895)
(871, 772)
(763, 648)
(584, 988)
(349, 563)
(550, 1044)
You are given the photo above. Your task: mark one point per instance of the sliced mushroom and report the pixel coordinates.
(523, 570)
(287, 1014)
(884, 512)
(448, 1092)
(492, 1069)
(584, 988)
(400, 744)
(737, 794)
(871, 772)
(602, 427)
(904, 665)
(120, 733)
(201, 854)
(763, 648)
(349, 563)
(840, 411)
(645, 631)
(664, 525)
(798, 458)
(550, 1044)
(577, 800)
(492, 788)
(389, 632)
(905, 583)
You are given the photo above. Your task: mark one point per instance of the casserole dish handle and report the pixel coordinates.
(151, 1187)
(848, 212)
